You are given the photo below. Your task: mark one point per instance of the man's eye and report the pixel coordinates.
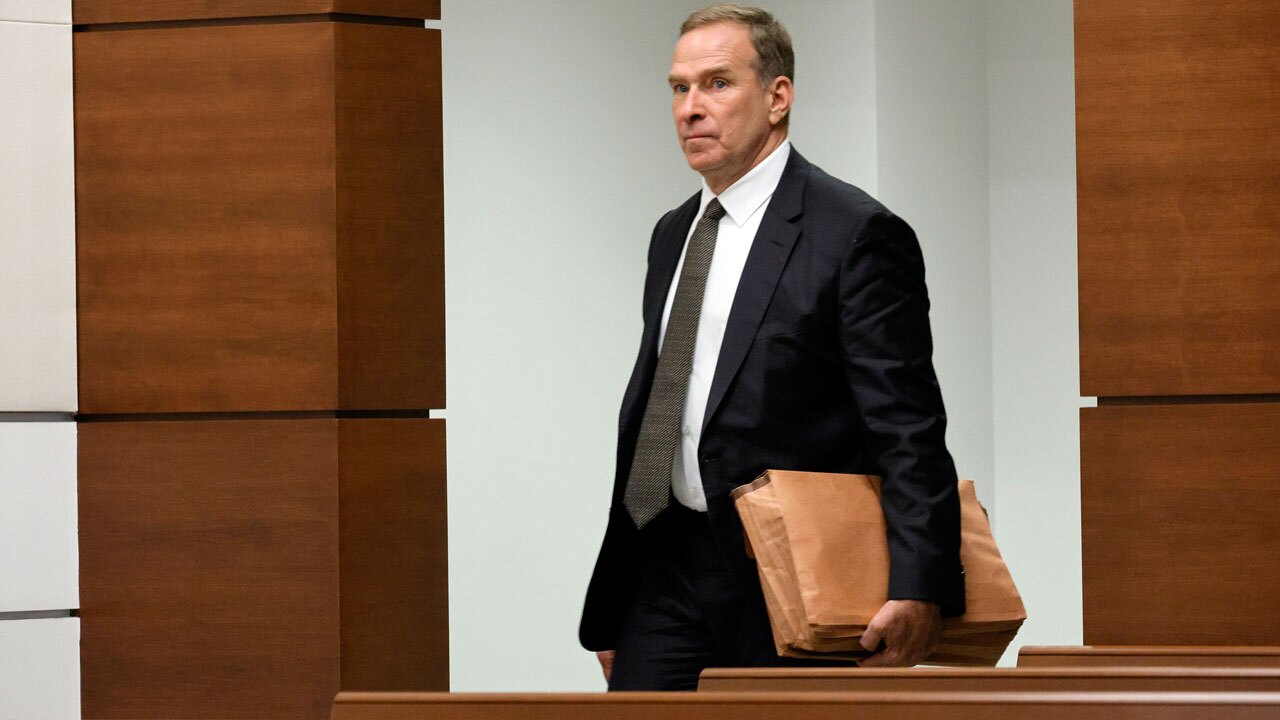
(719, 84)
(680, 88)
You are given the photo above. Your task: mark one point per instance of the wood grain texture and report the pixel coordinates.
(1180, 528)
(94, 12)
(256, 234)
(810, 706)
(394, 555)
(1178, 169)
(209, 568)
(1149, 656)
(390, 218)
(993, 680)
(206, 242)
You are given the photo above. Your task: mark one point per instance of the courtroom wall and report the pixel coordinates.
(560, 155)
(1035, 341)
(39, 590)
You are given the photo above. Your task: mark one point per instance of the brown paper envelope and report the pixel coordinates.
(813, 504)
(949, 652)
(783, 631)
(945, 655)
(951, 627)
(762, 522)
(990, 594)
(770, 542)
(804, 567)
(856, 558)
(850, 656)
(969, 639)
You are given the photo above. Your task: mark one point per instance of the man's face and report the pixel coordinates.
(722, 114)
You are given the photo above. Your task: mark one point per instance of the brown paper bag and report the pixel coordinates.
(766, 534)
(821, 551)
(780, 592)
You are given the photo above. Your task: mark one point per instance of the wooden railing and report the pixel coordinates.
(1150, 656)
(923, 705)
(1046, 679)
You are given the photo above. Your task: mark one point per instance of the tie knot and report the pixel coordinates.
(714, 211)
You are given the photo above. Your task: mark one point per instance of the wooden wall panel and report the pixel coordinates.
(205, 219)
(260, 213)
(121, 11)
(1178, 146)
(390, 217)
(209, 568)
(251, 567)
(1181, 530)
(394, 555)
(260, 240)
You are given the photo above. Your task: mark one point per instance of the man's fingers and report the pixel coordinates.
(912, 659)
(891, 656)
(903, 633)
(909, 649)
(606, 662)
(896, 649)
(871, 638)
(876, 660)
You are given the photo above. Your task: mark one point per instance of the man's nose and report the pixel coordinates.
(690, 108)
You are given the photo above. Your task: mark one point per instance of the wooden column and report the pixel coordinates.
(1178, 140)
(260, 269)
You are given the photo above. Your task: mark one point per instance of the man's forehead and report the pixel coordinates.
(720, 44)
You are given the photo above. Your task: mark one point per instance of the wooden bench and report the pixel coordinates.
(1206, 656)
(1075, 679)
(808, 706)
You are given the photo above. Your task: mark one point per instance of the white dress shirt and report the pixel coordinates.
(744, 203)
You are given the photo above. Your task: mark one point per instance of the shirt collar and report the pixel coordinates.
(745, 197)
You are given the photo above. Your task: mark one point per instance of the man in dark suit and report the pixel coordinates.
(785, 326)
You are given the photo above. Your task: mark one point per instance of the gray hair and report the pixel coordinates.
(772, 42)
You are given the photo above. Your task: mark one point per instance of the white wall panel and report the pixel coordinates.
(892, 95)
(931, 126)
(40, 669)
(593, 167)
(39, 552)
(46, 11)
(833, 41)
(37, 218)
(1036, 348)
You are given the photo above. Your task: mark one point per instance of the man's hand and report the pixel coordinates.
(910, 630)
(606, 662)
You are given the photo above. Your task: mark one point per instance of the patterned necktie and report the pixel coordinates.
(649, 484)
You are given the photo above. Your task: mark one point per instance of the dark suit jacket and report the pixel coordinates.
(826, 365)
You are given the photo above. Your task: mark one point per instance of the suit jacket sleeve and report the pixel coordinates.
(888, 349)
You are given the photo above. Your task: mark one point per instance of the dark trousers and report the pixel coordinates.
(689, 613)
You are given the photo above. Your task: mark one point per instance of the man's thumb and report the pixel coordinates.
(872, 637)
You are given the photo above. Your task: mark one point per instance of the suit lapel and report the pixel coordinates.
(666, 254)
(769, 252)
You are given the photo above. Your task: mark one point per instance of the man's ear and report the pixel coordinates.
(781, 95)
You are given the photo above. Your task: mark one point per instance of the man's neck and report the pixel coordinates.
(772, 142)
